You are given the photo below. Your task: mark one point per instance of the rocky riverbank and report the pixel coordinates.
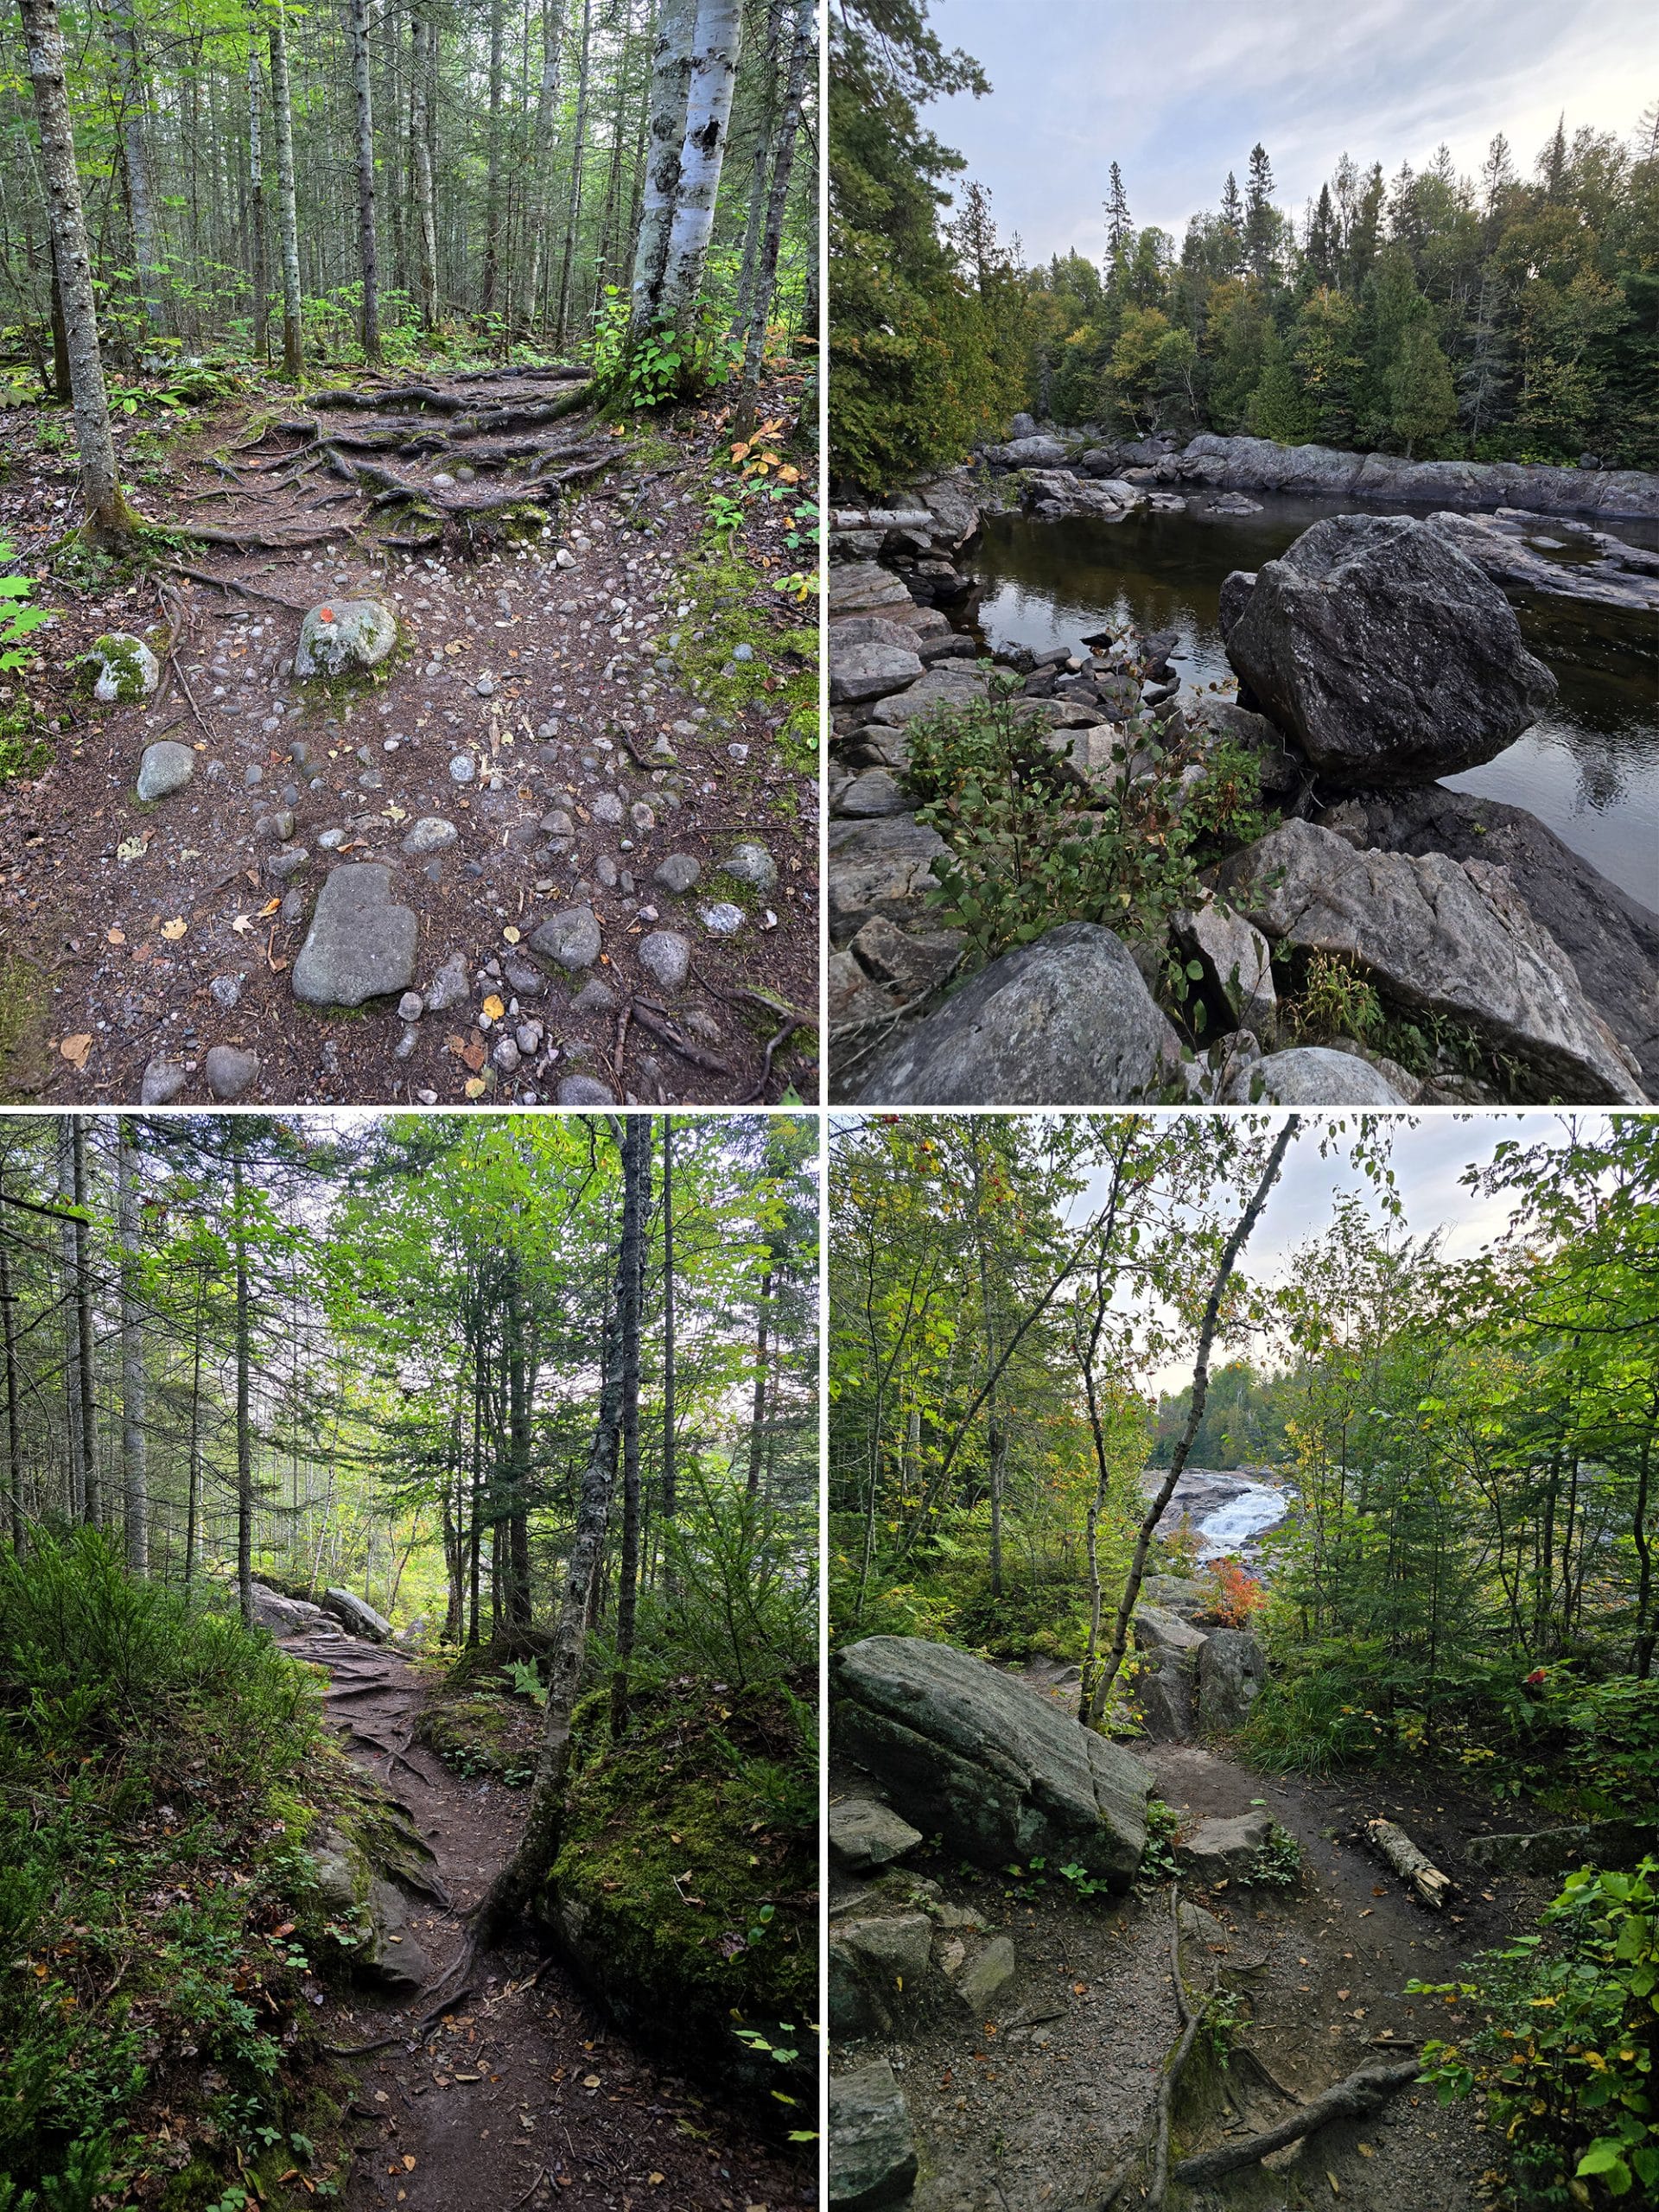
(1379, 653)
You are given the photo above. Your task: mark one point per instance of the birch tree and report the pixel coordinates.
(369, 251)
(282, 114)
(670, 86)
(702, 152)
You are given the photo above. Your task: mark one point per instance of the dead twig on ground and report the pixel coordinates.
(1357, 2096)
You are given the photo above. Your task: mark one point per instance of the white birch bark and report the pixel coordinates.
(702, 152)
(282, 108)
(670, 84)
(358, 15)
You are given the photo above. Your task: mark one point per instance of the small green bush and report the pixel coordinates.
(1565, 2051)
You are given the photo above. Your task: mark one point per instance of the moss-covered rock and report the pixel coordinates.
(126, 669)
(686, 1890)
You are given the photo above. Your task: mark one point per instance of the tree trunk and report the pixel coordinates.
(85, 1371)
(758, 1409)
(493, 174)
(282, 111)
(671, 84)
(539, 1842)
(368, 250)
(1230, 1251)
(75, 1453)
(546, 110)
(636, 1200)
(257, 211)
(759, 167)
(128, 75)
(1646, 1627)
(573, 217)
(109, 518)
(192, 1504)
(9, 1340)
(423, 41)
(244, 1439)
(62, 388)
(670, 1500)
(520, 1389)
(134, 1482)
(772, 243)
(702, 152)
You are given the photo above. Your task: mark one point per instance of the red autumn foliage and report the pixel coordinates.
(1234, 1594)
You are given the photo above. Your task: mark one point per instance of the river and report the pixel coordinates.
(1590, 769)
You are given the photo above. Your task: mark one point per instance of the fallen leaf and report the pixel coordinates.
(473, 1056)
(132, 848)
(118, 937)
(511, 934)
(493, 1007)
(590, 2080)
(242, 924)
(173, 930)
(75, 1049)
(1342, 1996)
(270, 907)
(476, 1086)
(409, 2164)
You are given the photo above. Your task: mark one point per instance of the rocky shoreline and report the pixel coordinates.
(1381, 655)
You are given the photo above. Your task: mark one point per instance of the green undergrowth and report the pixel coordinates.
(479, 1731)
(158, 1767)
(1323, 996)
(733, 605)
(687, 1883)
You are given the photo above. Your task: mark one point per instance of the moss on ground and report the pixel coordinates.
(727, 611)
(687, 1886)
(478, 1732)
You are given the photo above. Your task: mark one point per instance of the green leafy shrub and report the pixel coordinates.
(1279, 1862)
(1565, 2051)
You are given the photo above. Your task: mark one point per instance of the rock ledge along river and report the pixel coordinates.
(1590, 769)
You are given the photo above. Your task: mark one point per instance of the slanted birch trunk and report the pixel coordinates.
(702, 151)
(759, 168)
(282, 111)
(108, 518)
(493, 175)
(423, 50)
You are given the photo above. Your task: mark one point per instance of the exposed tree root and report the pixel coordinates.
(654, 1018)
(231, 584)
(1360, 2094)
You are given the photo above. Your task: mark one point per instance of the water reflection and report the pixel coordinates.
(1589, 770)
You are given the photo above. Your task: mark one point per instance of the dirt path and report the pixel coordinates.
(522, 2096)
(532, 708)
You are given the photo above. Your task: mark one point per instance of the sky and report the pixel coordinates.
(1179, 91)
(1428, 1154)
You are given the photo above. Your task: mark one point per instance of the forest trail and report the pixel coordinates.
(554, 751)
(521, 2096)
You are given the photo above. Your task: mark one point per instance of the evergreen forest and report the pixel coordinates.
(408, 1636)
(1406, 308)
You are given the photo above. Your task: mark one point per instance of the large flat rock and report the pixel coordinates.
(966, 1751)
(1449, 936)
(872, 2148)
(361, 944)
(1063, 1021)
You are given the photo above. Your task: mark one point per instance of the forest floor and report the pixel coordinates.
(1036, 2107)
(580, 701)
(520, 2095)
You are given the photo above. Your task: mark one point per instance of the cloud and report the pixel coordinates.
(1179, 94)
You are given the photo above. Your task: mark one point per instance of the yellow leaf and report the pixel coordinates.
(590, 2080)
(511, 934)
(409, 2164)
(173, 930)
(476, 1086)
(270, 907)
(493, 1007)
(75, 1049)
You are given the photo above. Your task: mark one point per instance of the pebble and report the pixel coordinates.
(666, 958)
(450, 987)
(506, 1056)
(743, 652)
(484, 687)
(332, 840)
(642, 817)
(229, 1072)
(594, 997)
(410, 1006)
(722, 920)
(462, 768)
(529, 1035)
(750, 862)
(678, 873)
(429, 835)
(162, 1083)
(559, 823)
(294, 907)
(225, 992)
(165, 768)
(288, 862)
(608, 807)
(585, 1091)
(571, 938)
(279, 826)
(564, 558)
(405, 1044)
(526, 979)
(252, 774)
(605, 870)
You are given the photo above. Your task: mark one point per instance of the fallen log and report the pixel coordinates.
(1357, 2096)
(1394, 1845)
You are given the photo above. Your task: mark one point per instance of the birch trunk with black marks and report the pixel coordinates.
(244, 1434)
(1224, 1275)
(9, 1341)
(702, 152)
(256, 211)
(135, 1488)
(108, 518)
(75, 1457)
(85, 1369)
(542, 1832)
(783, 165)
(282, 115)
(670, 86)
(368, 249)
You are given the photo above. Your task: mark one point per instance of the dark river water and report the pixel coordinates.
(1589, 770)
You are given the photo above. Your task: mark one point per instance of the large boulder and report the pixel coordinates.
(361, 943)
(1034, 452)
(872, 2148)
(1063, 1021)
(345, 636)
(1167, 1691)
(1387, 654)
(1611, 940)
(285, 1616)
(357, 1614)
(1226, 1850)
(1447, 936)
(1232, 1667)
(968, 1752)
(881, 867)
(878, 1959)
